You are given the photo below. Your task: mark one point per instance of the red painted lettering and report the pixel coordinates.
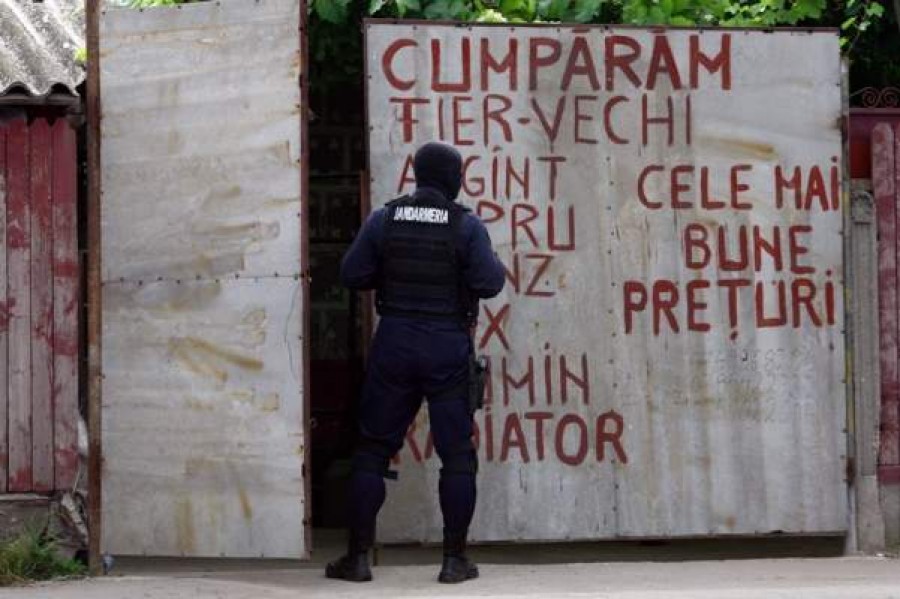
(662, 62)
(522, 215)
(646, 120)
(465, 63)
(543, 263)
(635, 300)
(731, 264)
(580, 63)
(694, 305)
(678, 187)
(537, 60)
(526, 381)
(406, 175)
(507, 64)
(551, 131)
(613, 437)
(387, 64)
(642, 181)
(803, 292)
(539, 418)
(695, 236)
(738, 187)
(780, 318)
(721, 62)
(552, 161)
(781, 183)
(552, 232)
(459, 121)
(576, 458)
(583, 382)
(616, 61)
(496, 115)
(495, 326)
(607, 119)
(581, 117)
(796, 249)
(815, 190)
(761, 246)
(513, 436)
(665, 297)
(732, 285)
(467, 181)
(406, 115)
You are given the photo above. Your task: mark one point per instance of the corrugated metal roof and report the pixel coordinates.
(38, 41)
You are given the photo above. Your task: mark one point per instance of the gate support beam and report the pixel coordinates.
(867, 530)
(94, 287)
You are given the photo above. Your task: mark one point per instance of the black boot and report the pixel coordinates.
(354, 566)
(456, 567)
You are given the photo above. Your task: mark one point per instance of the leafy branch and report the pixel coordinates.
(336, 44)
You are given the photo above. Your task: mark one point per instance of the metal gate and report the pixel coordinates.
(204, 295)
(38, 306)
(668, 354)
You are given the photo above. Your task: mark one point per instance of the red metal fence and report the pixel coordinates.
(885, 142)
(38, 306)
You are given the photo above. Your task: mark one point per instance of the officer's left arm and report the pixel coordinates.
(359, 268)
(483, 272)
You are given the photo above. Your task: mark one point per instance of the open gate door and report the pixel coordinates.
(204, 289)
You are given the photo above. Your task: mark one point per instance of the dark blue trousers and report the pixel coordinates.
(410, 360)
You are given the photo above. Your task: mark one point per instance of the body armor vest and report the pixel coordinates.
(420, 271)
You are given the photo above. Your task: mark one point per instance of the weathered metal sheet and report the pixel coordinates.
(38, 44)
(204, 438)
(202, 353)
(201, 114)
(668, 356)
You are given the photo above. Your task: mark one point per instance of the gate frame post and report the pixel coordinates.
(94, 289)
(866, 533)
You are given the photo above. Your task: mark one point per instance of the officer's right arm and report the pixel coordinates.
(484, 273)
(359, 268)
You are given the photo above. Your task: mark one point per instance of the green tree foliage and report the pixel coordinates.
(869, 28)
(337, 54)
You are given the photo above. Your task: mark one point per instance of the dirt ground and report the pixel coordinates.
(820, 578)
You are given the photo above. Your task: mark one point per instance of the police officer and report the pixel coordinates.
(430, 260)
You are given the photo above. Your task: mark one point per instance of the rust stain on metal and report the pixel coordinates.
(184, 526)
(183, 298)
(270, 403)
(743, 148)
(246, 508)
(199, 405)
(206, 359)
